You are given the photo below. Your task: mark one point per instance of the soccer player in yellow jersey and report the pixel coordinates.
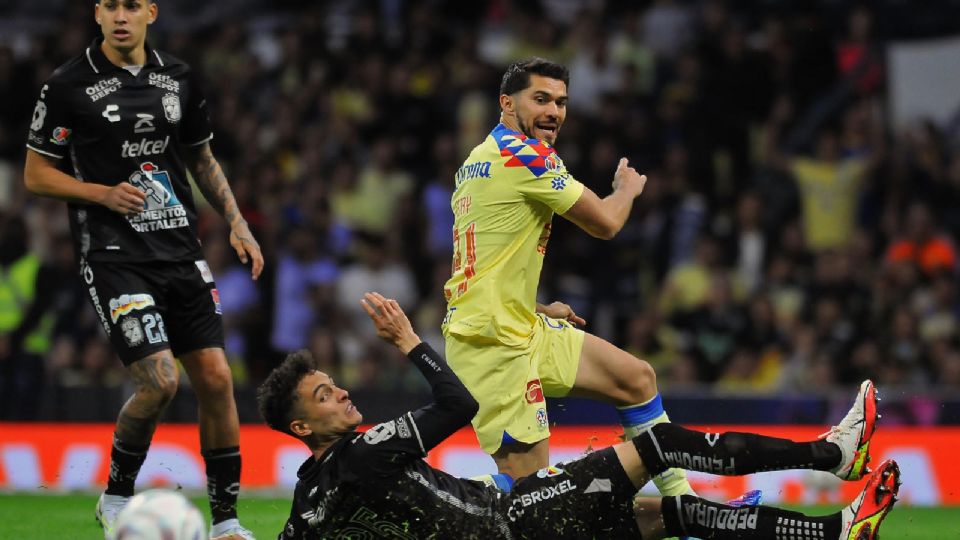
(509, 350)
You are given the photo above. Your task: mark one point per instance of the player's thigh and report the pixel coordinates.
(587, 498)
(610, 374)
(195, 315)
(504, 381)
(557, 348)
(129, 301)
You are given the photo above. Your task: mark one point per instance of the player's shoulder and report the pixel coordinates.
(70, 71)
(524, 153)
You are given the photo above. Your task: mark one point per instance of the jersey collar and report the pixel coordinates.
(99, 64)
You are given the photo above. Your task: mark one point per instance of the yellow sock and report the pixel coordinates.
(671, 482)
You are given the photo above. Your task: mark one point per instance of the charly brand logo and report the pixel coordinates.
(109, 112)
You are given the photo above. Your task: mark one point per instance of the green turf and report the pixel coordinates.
(71, 517)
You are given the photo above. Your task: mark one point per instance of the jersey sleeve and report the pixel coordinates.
(390, 446)
(551, 184)
(195, 129)
(51, 126)
(296, 528)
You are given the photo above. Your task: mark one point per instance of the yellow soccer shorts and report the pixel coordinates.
(510, 383)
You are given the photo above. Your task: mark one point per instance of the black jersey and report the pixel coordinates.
(107, 125)
(377, 485)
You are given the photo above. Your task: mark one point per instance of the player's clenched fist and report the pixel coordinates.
(124, 198)
(628, 178)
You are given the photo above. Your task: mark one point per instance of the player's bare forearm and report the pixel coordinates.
(41, 177)
(209, 177)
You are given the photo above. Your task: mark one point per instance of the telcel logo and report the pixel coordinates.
(144, 147)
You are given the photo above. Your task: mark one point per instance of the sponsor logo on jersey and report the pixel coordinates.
(161, 208)
(217, 308)
(165, 82)
(521, 502)
(144, 123)
(103, 88)
(542, 418)
(132, 331)
(480, 169)
(144, 147)
(549, 472)
(171, 107)
(60, 136)
(534, 392)
(125, 303)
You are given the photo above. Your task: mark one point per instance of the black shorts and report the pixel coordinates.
(591, 497)
(147, 307)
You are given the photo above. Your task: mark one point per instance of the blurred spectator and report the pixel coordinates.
(923, 244)
(769, 250)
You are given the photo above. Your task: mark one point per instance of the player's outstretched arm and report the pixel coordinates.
(213, 184)
(41, 177)
(603, 218)
(453, 406)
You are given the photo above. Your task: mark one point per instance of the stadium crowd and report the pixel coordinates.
(788, 238)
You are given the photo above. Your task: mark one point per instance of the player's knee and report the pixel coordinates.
(641, 384)
(214, 381)
(158, 393)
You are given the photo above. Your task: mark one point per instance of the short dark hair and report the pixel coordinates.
(278, 394)
(517, 76)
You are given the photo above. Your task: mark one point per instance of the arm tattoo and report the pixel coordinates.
(213, 184)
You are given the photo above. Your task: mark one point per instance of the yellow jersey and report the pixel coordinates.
(506, 194)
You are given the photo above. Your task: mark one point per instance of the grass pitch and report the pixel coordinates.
(59, 517)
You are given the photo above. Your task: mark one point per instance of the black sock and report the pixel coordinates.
(667, 445)
(692, 516)
(223, 482)
(125, 462)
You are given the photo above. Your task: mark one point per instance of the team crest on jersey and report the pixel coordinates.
(171, 107)
(542, 418)
(132, 332)
(60, 136)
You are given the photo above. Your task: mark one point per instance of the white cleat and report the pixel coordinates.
(108, 508)
(230, 528)
(853, 434)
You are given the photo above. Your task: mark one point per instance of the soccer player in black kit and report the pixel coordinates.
(114, 132)
(376, 484)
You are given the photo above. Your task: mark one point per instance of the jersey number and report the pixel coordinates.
(471, 240)
(153, 326)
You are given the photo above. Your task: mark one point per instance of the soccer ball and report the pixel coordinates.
(160, 514)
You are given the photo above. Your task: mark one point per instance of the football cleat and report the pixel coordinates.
(230, 527)
(862, 519)
(853, 434)
(751, 498)
(108, 508)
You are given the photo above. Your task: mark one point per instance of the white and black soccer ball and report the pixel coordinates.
(160, 514)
